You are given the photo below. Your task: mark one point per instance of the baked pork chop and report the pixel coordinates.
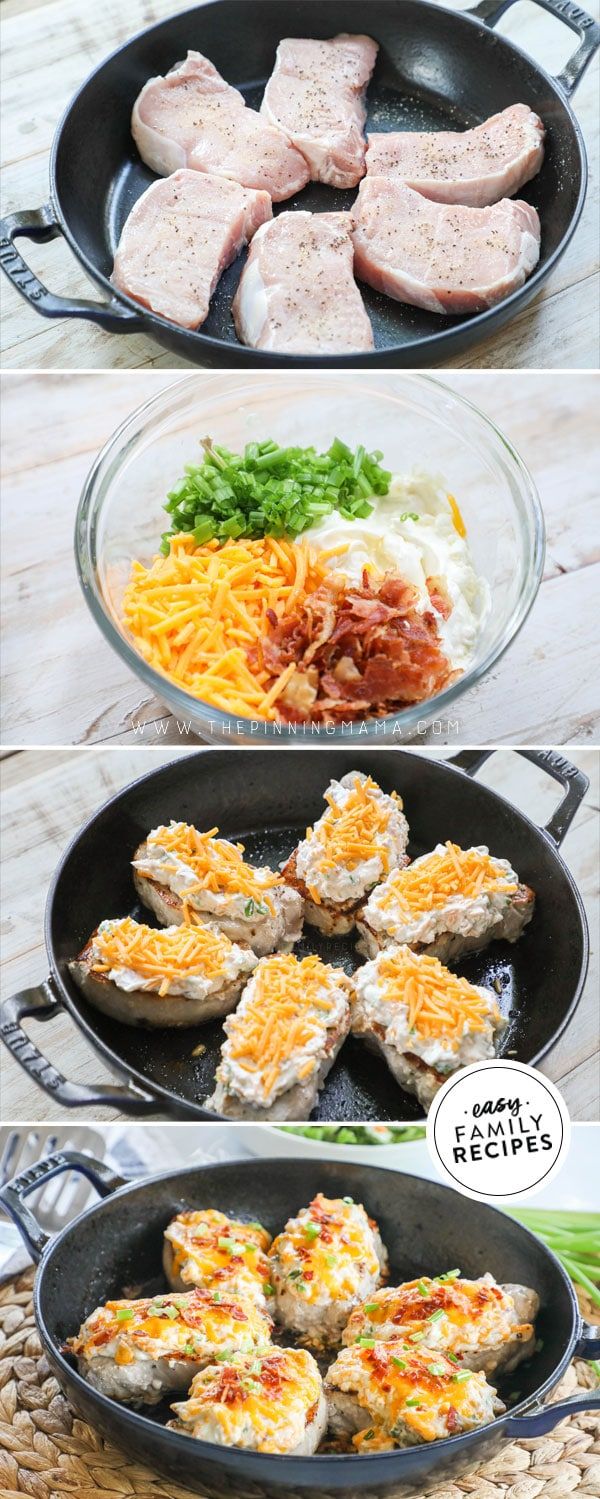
(179, 238)
(271, 1401)
(327, 1260)
(476, 167)
(316, 96)
(193, 118)
(187, 876)
(136, 1351)
(476, 1323)
(396, 1395)
(204, 1247)
(447, 259)
(297, 293)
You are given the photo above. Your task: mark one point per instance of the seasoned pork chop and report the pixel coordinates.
(476, 167)
(297, 293)
(316, 95)
(193, 118)
(179, 237)
(448, 259)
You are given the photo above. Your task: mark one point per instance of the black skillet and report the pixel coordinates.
(426, 1227)
(267, 798)
(437, 69)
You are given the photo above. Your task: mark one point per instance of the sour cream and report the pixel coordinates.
(412, 532)
(236, 961)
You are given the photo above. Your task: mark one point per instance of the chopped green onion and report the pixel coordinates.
(124, 1314)
(398, 1362)
(422, 1288)
(437, 1369)
(371, 1306)
(435, 1316)
(249, 907)
(450, 1275)
(349, 1200)
(366, 1342)
(312, 1230)
(413, 1400)
(464, 1374)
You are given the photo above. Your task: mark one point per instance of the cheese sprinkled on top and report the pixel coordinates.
(279, 1033)
(433, 879)
(437, 1002)
(418, 1392)
(166, 959)
(447, 1313)
(220, 1253)
(327, 1253)
(173, 1326)
(217, 865)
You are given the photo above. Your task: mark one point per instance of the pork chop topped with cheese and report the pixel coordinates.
(193, 118)
(476, 1323)
(204, 1247)
(135, 1351)
(446, 258)
(171, 977)
(447, 903)
(270, 1401)
(476, 167)
(179, 238)
(283, 1040)
(360, 838)
(425, 1021)
(316, 96)
(297, 293)
(187, 876)
(327, 1260)
(397, 1395)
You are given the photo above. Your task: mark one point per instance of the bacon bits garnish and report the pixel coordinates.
(359, 651)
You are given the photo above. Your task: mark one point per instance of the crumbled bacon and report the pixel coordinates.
(359, 651)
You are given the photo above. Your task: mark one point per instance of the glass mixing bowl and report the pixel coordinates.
(415, 420)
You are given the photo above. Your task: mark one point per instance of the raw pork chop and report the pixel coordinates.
(446, 259)
(297, 293)
(316, 94)
(180, 236)
(193, 118)
(477, 166)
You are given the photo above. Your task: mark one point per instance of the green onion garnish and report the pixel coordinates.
(366, 1342)
(422, 1288)
(435, 1316)
(124, 1314)
(399, 1362)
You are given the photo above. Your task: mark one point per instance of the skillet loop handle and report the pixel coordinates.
(574, 784)
(588, 1343)
(42, 1003)
(544, 1418)
(587, 29)
(13, 1195)
(41, 224)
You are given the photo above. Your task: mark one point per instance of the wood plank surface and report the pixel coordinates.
(49, 48)
(46, 797)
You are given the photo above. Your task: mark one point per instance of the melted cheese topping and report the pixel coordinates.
(195, 614)
(453, 1314)
(328, 1252)
(417, 1000)
(360, 837)
(428, 883)
(278, 1035)
(194, 1326)
(192, 961)
(262, 1402)
(416, 1392)
(220, 1253)
(196, 864)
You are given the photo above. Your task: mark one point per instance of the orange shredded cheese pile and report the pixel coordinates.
(161, 953)
(218, 865)
(195, 614)
(272, 1392)
(429, 883)
(439, 1002)
(282, 1012)
(349, 833)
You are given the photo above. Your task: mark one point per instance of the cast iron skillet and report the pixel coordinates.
(267, 798)
(117, 1243)
(437, 69)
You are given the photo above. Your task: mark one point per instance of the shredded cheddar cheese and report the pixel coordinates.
(348, 833)
(167, 953)
(419, 1389)
(284, 1010)
(439, 1002)
(211, 1250)
(263, 1402)
(457, 519)
(218, 865)
(196, 614)
(429, 883)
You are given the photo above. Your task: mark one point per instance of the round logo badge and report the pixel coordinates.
(498, 1130)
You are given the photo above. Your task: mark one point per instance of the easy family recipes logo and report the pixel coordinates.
(498, 1129)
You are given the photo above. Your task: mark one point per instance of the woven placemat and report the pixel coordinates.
(47, 1452)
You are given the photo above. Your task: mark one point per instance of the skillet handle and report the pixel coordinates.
(13, 1195)
(587, 29)
(42, 224)
(545, 1417)
(573, 781)
(42, 1003)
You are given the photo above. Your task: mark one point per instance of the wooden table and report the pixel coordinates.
(48, 794)
(62, 683)
(50, 47)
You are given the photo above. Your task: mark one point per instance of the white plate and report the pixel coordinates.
(267, 1140)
